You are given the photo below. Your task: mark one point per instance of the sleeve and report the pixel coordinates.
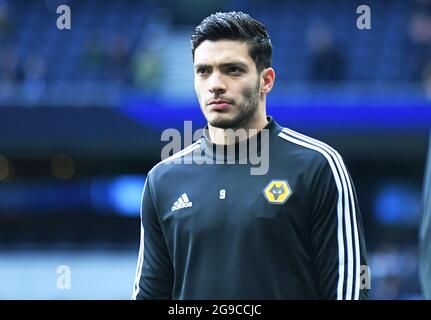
(337, 236)
(425, 232)
(154, 271)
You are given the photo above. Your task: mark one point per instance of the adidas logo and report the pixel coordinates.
(182, 202)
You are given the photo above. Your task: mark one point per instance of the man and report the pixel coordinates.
(425, 232)
(216, 231)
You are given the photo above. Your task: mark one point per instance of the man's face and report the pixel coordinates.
(226, 83)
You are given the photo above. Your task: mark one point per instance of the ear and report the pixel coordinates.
(267, 80)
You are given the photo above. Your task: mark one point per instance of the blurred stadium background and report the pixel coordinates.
(82, 111)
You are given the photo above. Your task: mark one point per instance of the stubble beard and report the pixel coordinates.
(246, 111)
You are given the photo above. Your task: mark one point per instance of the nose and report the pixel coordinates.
(216, 84)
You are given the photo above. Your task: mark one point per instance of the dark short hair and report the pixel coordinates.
(236, 26)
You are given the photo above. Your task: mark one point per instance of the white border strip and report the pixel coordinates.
(357, 258)
(334, 160)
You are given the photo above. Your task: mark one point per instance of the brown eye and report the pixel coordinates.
(202, 71)
(234, 70)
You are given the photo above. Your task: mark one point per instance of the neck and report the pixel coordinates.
(232, 135)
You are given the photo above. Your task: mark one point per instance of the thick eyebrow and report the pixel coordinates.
(234, 64)
(202, 66)
(224, 65)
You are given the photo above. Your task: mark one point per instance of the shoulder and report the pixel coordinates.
(324, 168)
(312, 152)
(174, 162)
